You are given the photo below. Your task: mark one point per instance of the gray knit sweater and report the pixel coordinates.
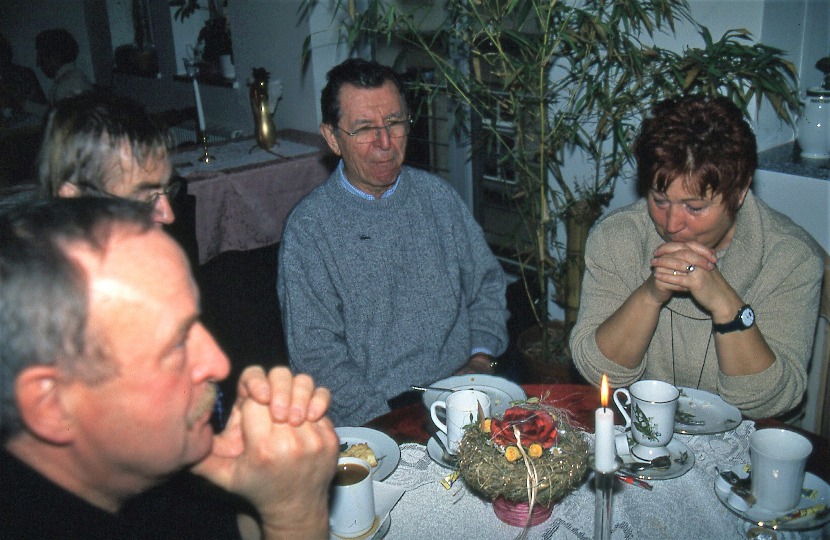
(774, 265)
(377, 295)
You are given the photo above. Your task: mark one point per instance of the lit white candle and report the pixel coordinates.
(604, 451)
(199, 110)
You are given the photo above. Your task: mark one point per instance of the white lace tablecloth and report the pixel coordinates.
(681, 508)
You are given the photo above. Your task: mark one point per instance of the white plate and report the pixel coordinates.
(386, 497)
(500, 391)
(386, 450)
(757, 513)
(436, 453)
(682, 461)
(715, 414)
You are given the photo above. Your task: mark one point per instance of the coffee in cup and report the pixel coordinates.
(349, 473)
(352, 505)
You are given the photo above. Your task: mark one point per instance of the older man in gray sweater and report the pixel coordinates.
(384, 278)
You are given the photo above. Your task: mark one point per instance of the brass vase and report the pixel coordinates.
(266, 133)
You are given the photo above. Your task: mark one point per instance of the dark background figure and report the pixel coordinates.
(20, 91)
(57, 51)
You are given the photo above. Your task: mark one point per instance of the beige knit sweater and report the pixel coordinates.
(773, 264)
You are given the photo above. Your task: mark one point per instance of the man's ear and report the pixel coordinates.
(69, 190)
(328, 133)
(37, 392)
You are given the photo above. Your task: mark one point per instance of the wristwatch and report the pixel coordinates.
(743, 320)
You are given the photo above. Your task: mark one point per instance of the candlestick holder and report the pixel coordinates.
(603, 511)
(202, 139)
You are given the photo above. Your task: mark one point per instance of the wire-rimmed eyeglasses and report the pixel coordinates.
(369, 134)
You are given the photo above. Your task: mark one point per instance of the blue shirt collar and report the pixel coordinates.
(354, 191)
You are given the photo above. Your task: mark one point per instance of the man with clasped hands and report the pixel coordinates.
(385, 279)
(700, 283)
(108, 383)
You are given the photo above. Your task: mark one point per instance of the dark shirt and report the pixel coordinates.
(19, 84)
(32, 507)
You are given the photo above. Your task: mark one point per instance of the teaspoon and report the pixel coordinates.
(659, 463)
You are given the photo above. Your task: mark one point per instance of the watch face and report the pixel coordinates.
(748, 317)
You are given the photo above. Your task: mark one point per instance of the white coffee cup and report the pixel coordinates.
(778, 457)
(352, 508)
(653, 405)
(461, 409)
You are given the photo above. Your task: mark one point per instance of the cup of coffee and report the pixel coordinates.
(352, 506)
(653, 404)
(778, 457)
(461, 409)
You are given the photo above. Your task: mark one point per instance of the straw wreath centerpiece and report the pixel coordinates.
(529, 455)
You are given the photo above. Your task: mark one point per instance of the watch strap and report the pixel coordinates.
(735, 324)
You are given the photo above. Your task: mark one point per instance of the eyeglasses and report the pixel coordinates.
(369, 134)
(150, 197)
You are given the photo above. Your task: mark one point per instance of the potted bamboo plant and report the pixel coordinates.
(574, 80)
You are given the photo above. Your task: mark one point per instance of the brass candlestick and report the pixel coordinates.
(201, 137)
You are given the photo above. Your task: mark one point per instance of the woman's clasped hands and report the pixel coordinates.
(687, 267)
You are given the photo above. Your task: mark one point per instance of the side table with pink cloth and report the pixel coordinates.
(243, 196)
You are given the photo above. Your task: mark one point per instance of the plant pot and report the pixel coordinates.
(551, 366)
(515, 513)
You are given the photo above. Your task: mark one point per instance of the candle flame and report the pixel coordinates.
(604, 391)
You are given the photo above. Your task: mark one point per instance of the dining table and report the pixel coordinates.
(244, 192)
(684, 507)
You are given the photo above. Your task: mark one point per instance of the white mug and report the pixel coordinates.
(461, 409)
(352, 509)
(653, 405)
(778, 457)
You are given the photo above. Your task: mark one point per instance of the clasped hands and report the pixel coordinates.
(279, 450)
(688, 267)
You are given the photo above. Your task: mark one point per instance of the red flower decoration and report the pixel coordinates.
(534, 427)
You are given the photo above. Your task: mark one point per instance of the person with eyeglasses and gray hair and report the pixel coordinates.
(102, 144)
(384, 279)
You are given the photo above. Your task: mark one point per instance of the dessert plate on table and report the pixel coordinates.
(703, 413)
(500, 391)
(386, 497)
(815, 491)
(385, 449)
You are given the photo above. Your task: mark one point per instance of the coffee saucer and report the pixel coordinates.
(702, 413)
(814, 492)
(386, 497)
(436, 452)
(682, 461)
